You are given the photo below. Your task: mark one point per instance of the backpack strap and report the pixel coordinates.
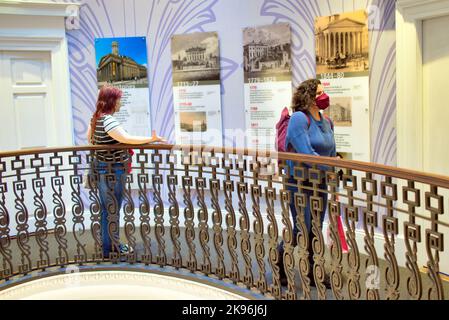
(330, 121)
(324, 115)
(308, 119)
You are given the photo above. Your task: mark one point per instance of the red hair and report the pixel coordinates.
(106, 102)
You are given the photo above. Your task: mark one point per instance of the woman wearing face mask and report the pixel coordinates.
(309, 132)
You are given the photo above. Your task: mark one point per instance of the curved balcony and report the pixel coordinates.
(218, 216)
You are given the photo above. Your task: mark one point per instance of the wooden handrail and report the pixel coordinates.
(394, 172)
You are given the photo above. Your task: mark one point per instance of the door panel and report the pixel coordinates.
(30, 120)
(26, 100)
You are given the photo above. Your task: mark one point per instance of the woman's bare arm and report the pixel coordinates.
(122, 136)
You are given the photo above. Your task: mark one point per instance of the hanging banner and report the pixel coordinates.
(122, 62)
(267, 81)
(342, 56)
(196, 88)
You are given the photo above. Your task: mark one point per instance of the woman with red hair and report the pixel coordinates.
(104, 129)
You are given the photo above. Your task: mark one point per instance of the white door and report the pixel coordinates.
(435, 95)
(26, 100)
(435, 46)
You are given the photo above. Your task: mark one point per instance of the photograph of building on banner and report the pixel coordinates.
(122, 62)
(196, 88)
(195, 57)
(341, 43)
(340, 111)
(266, 53)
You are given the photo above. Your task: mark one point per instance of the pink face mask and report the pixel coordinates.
(322, 102)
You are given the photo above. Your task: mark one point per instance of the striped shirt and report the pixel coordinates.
(103, 126)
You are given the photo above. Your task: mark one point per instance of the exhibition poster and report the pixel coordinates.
(122, 62)
(342, 58)
(196, 88)
(267, 81)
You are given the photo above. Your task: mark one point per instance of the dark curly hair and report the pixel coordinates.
(305, 95)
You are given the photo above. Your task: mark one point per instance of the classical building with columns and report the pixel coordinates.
(344, 36)
(196, 54)
(115, 67)
(196, 58)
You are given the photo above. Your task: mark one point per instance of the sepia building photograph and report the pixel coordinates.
(121, 61)
(267, 51)
(195, 57)
(340, 111)
(193, 121)
(341, 43)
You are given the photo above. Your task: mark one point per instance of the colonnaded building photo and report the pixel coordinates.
(119, 68)
(224, 150)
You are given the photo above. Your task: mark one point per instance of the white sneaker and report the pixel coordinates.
(124, 248)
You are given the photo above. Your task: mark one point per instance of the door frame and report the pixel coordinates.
(410, 15)
(39, 38)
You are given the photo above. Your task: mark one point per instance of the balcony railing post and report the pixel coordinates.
(59, 210)
(203, 215)
(256, 193)
(351, 218)
(78, 227)
(40, 213)
(318, 209)
(370, 223)
(129, 214)
(412, 235)
(273, 232)
(172, 182)
(217, 217)
(332, 180)
(94, 208)
(303, 236)
(245, 243)
(144, 207)
(23, 236)
(159, 229)
(287, 233)
(228, 186)
(434, 243)
(390, 229)
(189, 212)
(5, 238)
(112, 204)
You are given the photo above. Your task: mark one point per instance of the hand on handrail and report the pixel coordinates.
(155, 138)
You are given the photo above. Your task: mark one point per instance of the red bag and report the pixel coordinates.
(131, 153)
(281, 130)
(341, 235)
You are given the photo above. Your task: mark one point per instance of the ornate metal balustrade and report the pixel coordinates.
(223, 213)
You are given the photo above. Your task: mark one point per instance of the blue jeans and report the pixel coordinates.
(307, 214)
(110, 183)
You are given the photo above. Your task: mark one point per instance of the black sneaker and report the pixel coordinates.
(326, 282)
(282, 274)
